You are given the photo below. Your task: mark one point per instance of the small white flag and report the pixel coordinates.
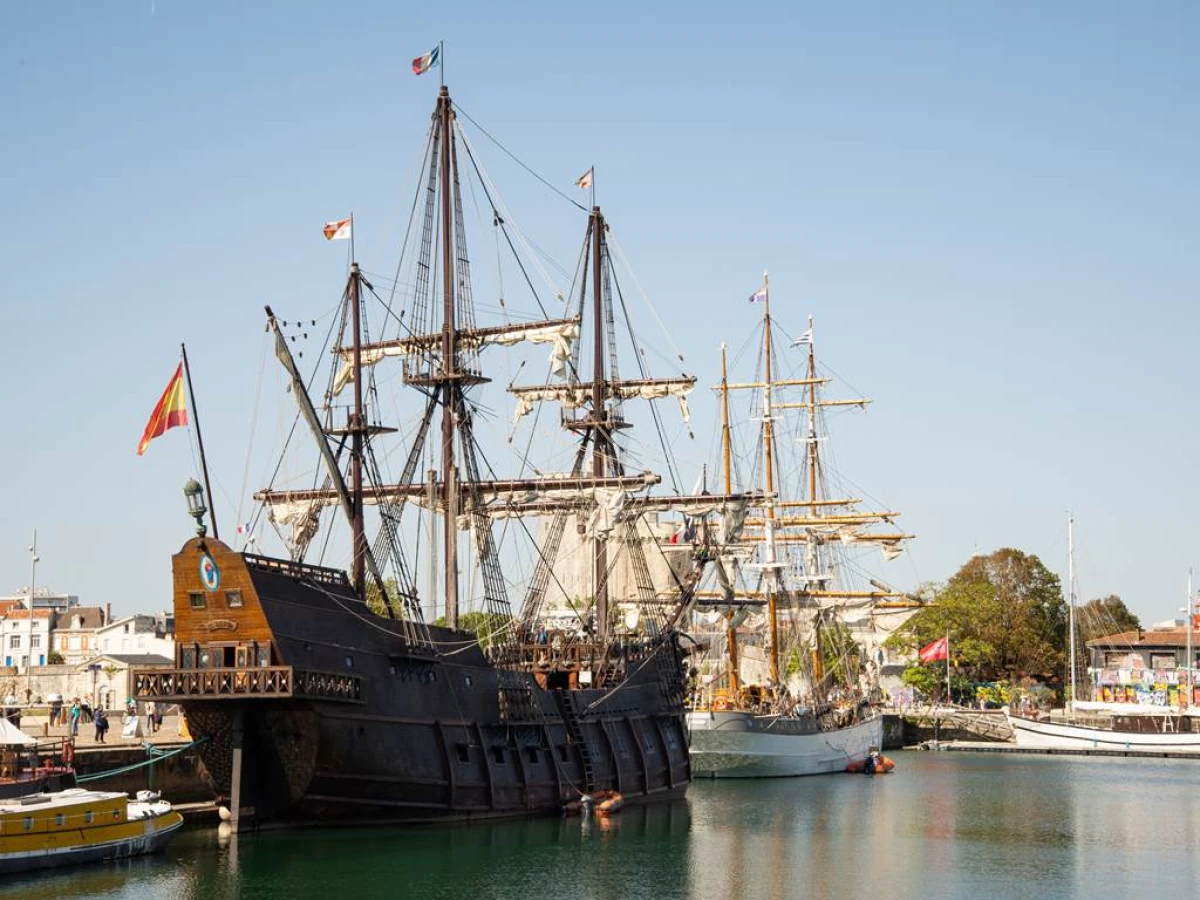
(585, 180)
(339, 230)
(805, 338)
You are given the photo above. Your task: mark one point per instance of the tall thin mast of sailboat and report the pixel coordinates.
(1071, 603)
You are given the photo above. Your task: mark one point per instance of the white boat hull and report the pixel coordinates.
(732, 744)
(1061, 736)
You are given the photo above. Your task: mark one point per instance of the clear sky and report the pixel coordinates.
(992, 210)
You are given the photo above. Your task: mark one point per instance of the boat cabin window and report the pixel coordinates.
(60, 820)
(558, 681)
(233, 599)
(88, 817)
(28, 823)
(197, 599)
(264, 655)
(498, 755)
(205, 659)
(464, 753)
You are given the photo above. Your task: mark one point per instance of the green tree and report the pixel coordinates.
(1005, 615)
(55, 658)
(1104, 616)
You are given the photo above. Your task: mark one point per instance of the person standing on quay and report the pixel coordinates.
(74, 715)
(101, 724)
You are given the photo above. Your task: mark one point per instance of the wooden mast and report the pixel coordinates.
(600, 448)
(357, 430)
(449, 370)
(769, 465)
(811, 560)
(730, 628)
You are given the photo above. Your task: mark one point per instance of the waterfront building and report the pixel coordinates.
(73, 633)
(1147, 666)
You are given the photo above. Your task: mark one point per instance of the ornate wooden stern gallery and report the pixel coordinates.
(326, 696)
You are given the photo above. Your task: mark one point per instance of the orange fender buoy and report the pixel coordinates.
(614, 802)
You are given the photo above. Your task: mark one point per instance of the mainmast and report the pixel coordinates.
(449, 389)
(1071, 603)
(601, 447)
(769, 465)
(730, 628)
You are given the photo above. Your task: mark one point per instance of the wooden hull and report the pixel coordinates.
(355, 722)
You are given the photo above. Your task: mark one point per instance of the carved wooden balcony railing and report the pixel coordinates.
(178, 685)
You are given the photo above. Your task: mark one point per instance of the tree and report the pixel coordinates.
(1005, 615)
(55, 658)
(1104, 616)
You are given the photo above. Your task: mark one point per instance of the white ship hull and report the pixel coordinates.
(732, 744)
(1061, 736)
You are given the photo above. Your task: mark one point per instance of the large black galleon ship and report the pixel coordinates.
(318, 695)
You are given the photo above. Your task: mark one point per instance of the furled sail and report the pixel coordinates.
(559, 333)
(574, 396)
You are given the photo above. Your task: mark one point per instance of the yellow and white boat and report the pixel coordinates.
(40, 831)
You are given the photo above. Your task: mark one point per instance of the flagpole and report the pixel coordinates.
(593, 185)
(949, 699)
(352, 257)
(442, 62)
(212, 508)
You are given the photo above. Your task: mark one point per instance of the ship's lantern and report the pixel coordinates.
(194, 492)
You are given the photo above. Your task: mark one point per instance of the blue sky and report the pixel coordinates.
(991, 210)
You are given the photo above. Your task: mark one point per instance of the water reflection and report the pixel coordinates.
(943, 827)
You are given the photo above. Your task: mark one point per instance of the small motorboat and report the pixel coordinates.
(42, 831)
(603, 803)
(874, 763)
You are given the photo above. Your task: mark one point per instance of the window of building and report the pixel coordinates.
(197, 599)
(15, 642)
(73, 642)
(141, 640)
(35, 640)
(1162, 660)
(233, 599)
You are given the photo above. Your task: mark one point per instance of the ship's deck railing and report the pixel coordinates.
(176, 685)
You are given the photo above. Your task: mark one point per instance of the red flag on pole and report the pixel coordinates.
(939, 649)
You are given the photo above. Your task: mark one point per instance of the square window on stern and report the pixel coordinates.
(233, 599)
(197, 599)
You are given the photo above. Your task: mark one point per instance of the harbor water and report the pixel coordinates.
(944, 825)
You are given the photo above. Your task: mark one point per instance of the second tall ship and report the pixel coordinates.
(808, 710)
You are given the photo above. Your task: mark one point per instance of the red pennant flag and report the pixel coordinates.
(939, 649)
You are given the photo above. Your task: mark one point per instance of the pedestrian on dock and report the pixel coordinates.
(73, 718)
(101, 725)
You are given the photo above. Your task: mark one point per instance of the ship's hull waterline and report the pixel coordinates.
(736, 744)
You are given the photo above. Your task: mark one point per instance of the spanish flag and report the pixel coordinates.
(170, 411)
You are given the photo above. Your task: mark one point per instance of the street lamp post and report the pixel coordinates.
(33, 561)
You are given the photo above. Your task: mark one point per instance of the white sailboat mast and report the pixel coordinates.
(1071, 602)
(811, 561)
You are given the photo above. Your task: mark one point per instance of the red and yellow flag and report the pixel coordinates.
(170, 411)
